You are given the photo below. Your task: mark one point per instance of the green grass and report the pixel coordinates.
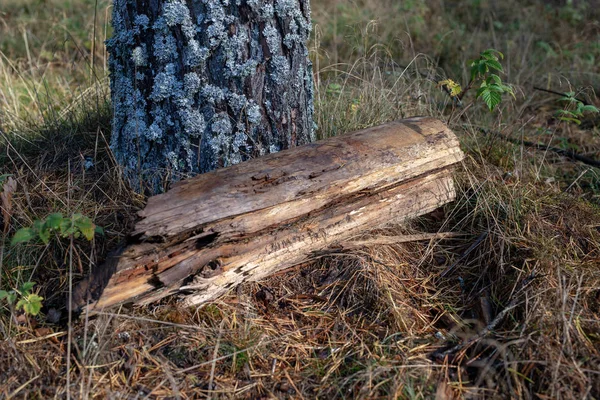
(50, 51)
(529, 220)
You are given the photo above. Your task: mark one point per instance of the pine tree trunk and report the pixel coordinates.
(203, 84)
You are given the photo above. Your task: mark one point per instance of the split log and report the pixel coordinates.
(245, 222)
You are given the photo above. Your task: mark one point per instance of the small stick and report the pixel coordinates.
(492, 325)
(586, 103)
(538, 146)
(465, 254)
(484, 332)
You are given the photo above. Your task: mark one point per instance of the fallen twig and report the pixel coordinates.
(587, 103)
(440, 355)
(465, 254)
(483, 333)
(563, 152)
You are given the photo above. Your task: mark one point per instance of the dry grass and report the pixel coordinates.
(509, 308)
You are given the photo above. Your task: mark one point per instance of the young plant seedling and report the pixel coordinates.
(29, 302)
(77, 225)
(574, 109)
(484, 71)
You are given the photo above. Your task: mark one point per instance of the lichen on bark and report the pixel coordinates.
(202, 84)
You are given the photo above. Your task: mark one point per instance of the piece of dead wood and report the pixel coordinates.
(248, 221)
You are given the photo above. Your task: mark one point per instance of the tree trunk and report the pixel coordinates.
(214, 231)
(197, 85)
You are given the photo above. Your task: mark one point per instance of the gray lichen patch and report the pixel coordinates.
(273, 38)
(166, 84)
(254, 114)
(280, 69)
(193, 122)
(195, 54)
(165, 46)
(192, 83)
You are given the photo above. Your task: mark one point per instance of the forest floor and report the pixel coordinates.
(508, 309)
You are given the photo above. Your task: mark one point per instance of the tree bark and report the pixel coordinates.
(197, 85)
(245, 222)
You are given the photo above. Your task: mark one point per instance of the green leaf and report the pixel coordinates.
(565, 113)
(492, 54)
(3, 294)
(86, 227)
(69, 231)
(44, 235)
(22, 235)
(37, 225)
(547, 48)
(495, 88)
(334, 88)
(483, 68)
(99, 230)
(574, 120)
(476, 68)
(495, 79)
(53, 221)
(490, 97)
(35, 304)
(10, 296)
(589, 108)
(27, 286)
(66, 227)
(508, 89)
(31, 304)
(568, 99)
(494, 65)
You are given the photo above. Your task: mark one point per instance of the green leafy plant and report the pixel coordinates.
(484, 71)
(491, 88)
(25, 299)
(574, 109)
(77, 225)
